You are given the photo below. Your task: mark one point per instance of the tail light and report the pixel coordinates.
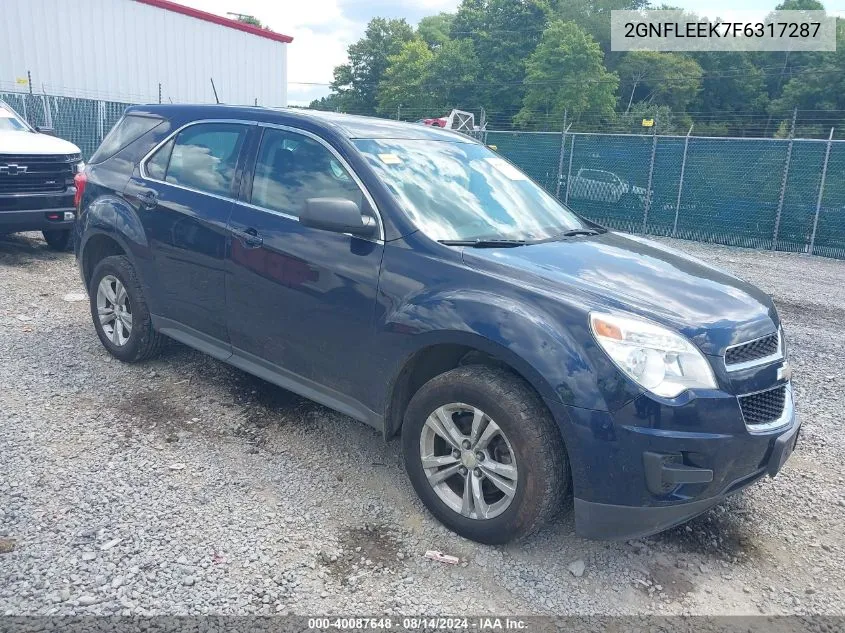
(79, 180)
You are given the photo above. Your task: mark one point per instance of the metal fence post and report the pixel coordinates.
(48, 115)
(560, 162)
(821, 192)
(785, 178)
(569, 172)
(101, 120)
(650, 179)
(681, 183)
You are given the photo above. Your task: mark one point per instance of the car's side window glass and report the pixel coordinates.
(291, 168)
(156, 165)
(203, 157)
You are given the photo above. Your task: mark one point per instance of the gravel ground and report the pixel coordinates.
(183, 486)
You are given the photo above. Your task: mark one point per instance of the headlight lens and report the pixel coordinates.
(655, 357)
(79, 167)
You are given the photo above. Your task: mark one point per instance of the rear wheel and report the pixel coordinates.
(484, 455)
(120, 312)
(57, 240)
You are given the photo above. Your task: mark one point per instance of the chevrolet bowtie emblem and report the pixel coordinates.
(785, 372)
(13, 170)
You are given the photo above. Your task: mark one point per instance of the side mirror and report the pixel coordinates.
(338, 215)
(45, 130)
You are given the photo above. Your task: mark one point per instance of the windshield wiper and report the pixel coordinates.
(484, 243)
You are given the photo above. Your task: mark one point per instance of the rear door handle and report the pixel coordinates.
(148, 198)
(249, 237)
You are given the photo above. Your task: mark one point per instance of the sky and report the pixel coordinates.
(322, 29)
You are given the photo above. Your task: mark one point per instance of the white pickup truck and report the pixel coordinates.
(36, 180)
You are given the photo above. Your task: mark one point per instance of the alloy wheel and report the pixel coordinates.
(114, 310)
(468, 461)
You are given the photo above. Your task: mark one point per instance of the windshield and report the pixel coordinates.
(9, 122)
(463, 191)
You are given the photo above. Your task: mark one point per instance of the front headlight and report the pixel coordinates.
(79, 167)
(655, 357)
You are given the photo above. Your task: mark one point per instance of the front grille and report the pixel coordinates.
(763, 407)
(43, 174)
(753, 350)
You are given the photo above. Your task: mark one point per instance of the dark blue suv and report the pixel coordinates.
(414, 280)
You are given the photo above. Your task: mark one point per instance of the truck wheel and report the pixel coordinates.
(120, 312)
(484, 454)
(57, 240)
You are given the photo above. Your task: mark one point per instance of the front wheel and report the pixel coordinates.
(484, 454)
(57, 240)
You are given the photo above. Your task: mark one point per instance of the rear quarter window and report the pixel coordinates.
(130, 128)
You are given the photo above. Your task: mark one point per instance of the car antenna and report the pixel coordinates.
(216, 98)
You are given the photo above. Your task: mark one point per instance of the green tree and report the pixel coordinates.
(594, 17)
(566, 72)
(665, 121)
(669, 79)
(407, 82)
(455, 75)
(435, 29)
(819, 93)
(733, 91)
(504, 33)
(357, 82)
(330, 103)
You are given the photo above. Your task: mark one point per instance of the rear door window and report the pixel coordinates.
(202, 157)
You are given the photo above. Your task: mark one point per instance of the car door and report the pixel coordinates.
(301, 300)
(184, 196)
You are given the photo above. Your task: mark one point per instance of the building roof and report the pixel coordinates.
(217, 19)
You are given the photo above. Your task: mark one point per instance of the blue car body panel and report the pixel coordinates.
(338, 317)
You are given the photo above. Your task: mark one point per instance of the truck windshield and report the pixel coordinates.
(9, 122)
(464, 191)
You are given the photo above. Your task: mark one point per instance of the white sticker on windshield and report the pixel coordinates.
(4, 113)
(505, 168)
(390, 159)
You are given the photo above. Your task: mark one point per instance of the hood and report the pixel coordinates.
(20, 142)
(630, 274)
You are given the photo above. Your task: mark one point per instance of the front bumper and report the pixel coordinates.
(650, 466)
(37, 212)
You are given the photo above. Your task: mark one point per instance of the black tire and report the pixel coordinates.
(543, 468)
(143, 342)
(57, 240)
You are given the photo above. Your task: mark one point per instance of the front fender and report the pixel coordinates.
(532, 341)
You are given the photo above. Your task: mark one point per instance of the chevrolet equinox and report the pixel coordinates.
(413, 279)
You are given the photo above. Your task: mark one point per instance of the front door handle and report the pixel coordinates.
(249, 237)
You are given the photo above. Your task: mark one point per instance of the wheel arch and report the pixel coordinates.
(447, 350)
(98, 246)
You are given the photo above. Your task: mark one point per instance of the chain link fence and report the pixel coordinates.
(780, 194)
(83, 122)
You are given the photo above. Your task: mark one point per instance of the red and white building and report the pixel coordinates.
(123, 50)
